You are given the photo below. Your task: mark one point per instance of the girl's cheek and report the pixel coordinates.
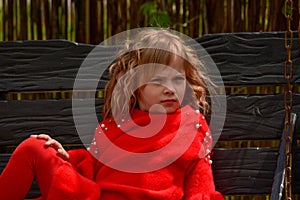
(181, 92)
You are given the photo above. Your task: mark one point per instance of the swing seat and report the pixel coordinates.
(37, 78)
(251, 65)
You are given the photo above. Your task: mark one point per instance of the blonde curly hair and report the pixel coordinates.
(153, 46)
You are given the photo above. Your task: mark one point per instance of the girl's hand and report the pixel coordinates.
(61, 152)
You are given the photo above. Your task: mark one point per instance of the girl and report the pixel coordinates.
(153, 143)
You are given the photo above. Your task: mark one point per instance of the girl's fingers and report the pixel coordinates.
(41, 136)
(49, 141)
(63, 154)
(54, 144)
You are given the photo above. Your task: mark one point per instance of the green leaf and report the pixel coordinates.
(148, 8)
(157, 17)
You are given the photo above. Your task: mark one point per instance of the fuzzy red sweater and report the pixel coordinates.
(183, 172)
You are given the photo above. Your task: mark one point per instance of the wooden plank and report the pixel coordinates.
(296, 171)
(242, 58)
(256, 117)
(4, 157)
(251, 58)
(34, 191)
(244, 170)
(19, 119)
(49, 65)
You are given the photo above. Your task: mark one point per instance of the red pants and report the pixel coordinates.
(30, 160)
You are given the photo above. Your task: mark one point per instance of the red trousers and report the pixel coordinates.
(31, 160)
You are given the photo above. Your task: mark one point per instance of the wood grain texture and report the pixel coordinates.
(242, 59)
(49, 65)
(251, 117)
(19, 119)
(244, 170)
(248, 118)
(251, 58)
(296, 171)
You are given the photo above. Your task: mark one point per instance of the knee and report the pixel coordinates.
(31, 145)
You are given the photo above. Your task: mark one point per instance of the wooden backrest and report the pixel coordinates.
(36, 82)
(37, 78)
(252, 68)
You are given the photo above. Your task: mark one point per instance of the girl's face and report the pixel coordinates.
(165, 90)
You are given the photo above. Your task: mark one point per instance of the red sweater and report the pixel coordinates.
(150, 170)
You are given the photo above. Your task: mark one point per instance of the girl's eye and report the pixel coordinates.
(156, 80)
(179, 78)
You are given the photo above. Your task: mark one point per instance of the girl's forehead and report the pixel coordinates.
(173, 66)
(170, 71)
(178, 64)
(169, 65)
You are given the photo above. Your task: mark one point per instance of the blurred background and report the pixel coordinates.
(92, 21)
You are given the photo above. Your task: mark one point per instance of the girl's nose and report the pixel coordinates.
(169, 90)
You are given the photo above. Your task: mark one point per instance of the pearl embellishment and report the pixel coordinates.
(198, 126)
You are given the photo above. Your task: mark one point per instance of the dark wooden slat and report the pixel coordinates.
(19, 119)
(4, 157)
(34, 191)
(49, 65)
(242, 58)
(248, 118)
(254, 117)
(251, 58)
(244, 170)
(296, 171)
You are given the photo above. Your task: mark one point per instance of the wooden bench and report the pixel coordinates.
(37, 77)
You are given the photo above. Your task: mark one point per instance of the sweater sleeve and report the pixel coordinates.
(199, 183)
(83, 162)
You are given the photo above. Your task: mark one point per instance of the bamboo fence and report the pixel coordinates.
(92, 21)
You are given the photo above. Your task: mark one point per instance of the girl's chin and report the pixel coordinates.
(163, 109)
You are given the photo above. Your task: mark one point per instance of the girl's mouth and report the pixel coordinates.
(169, 102)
